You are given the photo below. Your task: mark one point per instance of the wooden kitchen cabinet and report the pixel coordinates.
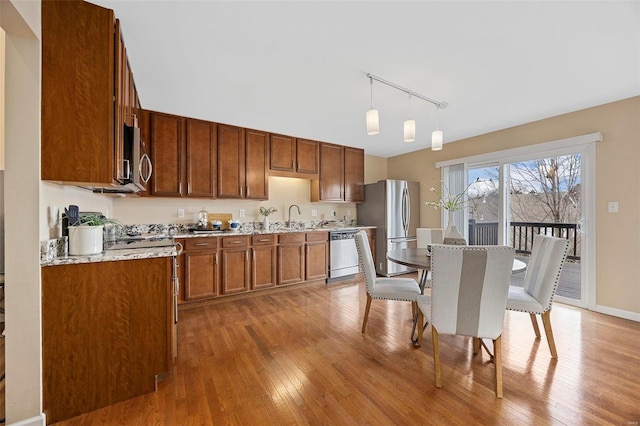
(78, 90)
(231, 162)
(291, 258)
(341, 175)
(317, 256)
(201, 270)
(106, 333)
(201, 158)
(264, 257)
(330, 185)
(167, 152)
(293, 157)
(256, 156)
(353, 175)
(235, 264)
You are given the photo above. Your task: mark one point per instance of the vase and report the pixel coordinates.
(85, 240)
(451, 235)
(265, 223)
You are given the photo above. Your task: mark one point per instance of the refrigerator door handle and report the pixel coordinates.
(408, 208)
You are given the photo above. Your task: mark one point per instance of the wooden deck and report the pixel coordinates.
(298, 357)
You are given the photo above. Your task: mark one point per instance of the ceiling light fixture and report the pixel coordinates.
(409, 125)
(373, 123)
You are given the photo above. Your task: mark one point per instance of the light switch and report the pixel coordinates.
(180, 213)
(613, 207)
(314, 213)
(241, 212)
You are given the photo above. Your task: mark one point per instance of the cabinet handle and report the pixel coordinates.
(180, 187)
(188, 187)
(235, 242)
(126, 170)
(241, 191)
(263, 240)
(202, 244)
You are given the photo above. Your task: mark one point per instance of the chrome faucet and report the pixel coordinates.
(297, 207)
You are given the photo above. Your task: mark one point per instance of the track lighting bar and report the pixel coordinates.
(440, 105)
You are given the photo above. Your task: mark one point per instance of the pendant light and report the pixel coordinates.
(436, 140)
(373, 124)
(410, 126)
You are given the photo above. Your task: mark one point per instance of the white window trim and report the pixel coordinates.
(585, 145)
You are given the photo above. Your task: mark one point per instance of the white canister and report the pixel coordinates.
(84, 240)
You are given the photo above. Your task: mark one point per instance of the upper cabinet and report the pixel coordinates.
(184, 155)
(293, 157)
(78, 83)
(341, 175)
(88, 94)
(242, 163)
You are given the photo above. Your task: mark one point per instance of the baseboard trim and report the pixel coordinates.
(40, 420)
(633, 316)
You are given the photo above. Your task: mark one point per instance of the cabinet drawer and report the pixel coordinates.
(294, 237)
(201, 243)
(318, 236)
(263, 240)
(239, 241)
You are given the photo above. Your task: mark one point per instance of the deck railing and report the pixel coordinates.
(522, 233)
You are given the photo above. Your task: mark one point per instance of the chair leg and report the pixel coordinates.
(497, 361)
(546, 322)
(534, 322)
(436, 356)
(366, 313)
(420, 328)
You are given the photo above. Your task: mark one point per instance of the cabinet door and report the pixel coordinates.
(201, 274)
(201, 158)
(78, 111)
(331, 172)
(166, 151)
(353, 174)
(307, 156)
(290, 263)
(231, 177)
(317, 257)
(263, 267)
(283, 153)
(256, 154)
(235, 270)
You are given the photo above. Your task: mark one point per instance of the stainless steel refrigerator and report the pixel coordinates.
(393, 206)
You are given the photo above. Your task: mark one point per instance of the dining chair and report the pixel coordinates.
(426, 237)
(403, 289)
(542, 275)
(468, 298)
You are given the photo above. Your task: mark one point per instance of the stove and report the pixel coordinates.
(140, 241)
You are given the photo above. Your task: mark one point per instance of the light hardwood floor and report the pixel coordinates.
(298, 357)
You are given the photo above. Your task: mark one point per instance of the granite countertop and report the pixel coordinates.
(113, 255)
(200, 234)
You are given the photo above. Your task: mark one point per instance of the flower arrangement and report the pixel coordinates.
(264, 211)
(453, 202)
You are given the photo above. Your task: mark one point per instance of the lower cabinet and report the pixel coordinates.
(263, 261)
(105, 333)
(291, 257)
(317, 255)
(235, 264)
(201, 269)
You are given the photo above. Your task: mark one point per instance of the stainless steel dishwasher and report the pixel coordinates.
(343, 256)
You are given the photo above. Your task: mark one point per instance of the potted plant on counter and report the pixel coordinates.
(86, 235)
(266, 211)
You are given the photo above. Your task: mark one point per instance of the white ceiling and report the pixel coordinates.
(299, 67)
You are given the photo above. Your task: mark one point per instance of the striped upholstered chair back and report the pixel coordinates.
(470, 287)
(548, 256)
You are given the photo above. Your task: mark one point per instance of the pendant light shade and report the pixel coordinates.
(436, 140)
(410, 130)
(373, 124)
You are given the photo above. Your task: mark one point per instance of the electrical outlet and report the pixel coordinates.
(181, 213)
(333, 213)
(241, 213)
(314, 213)
(613, 207)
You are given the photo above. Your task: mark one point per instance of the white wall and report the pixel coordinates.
(21, 22)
